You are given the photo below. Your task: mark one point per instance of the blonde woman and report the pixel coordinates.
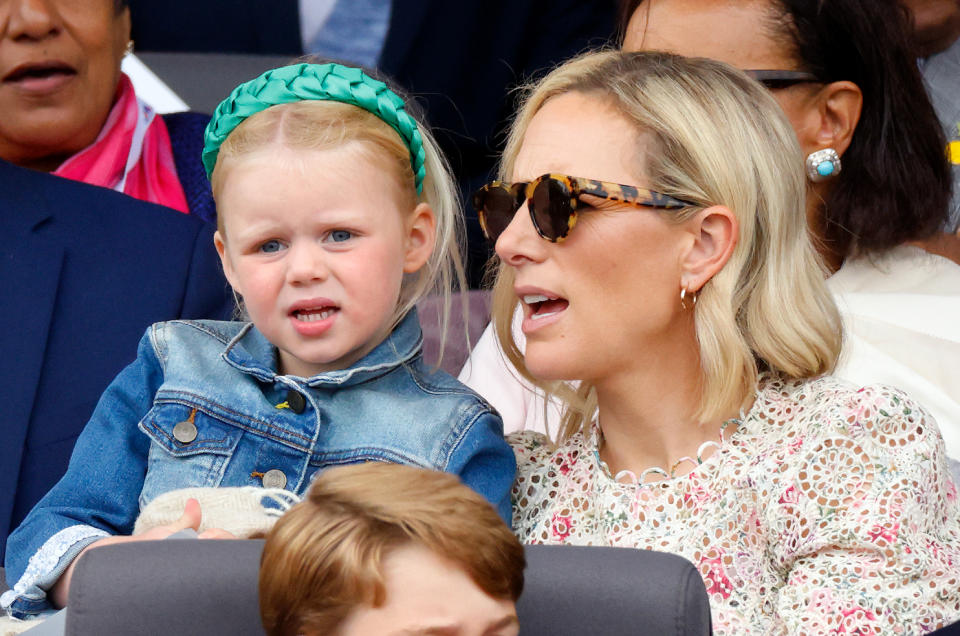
(650, 225)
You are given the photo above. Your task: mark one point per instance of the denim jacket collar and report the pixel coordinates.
(250, 352)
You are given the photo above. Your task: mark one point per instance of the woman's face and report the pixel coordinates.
(738, 33)
(612, 287)
(59, 68)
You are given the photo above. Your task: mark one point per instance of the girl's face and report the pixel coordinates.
(612, 287)
(317, 243)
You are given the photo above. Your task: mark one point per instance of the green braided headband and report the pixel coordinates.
(325, 82)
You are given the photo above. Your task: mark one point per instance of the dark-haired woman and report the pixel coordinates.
(843, 72)
(69, 110)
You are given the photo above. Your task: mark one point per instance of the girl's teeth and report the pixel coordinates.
(313, 316)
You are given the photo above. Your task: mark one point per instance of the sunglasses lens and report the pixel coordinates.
(551, 209)
(495, 207)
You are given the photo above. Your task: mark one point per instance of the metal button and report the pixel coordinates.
(296, 401)
(274, 478)
(186, 431)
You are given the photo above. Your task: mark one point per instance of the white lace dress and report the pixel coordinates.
(829, 510)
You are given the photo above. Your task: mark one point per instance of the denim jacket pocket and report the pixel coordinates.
(188, 448)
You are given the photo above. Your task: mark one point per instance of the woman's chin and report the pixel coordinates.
(549, 367)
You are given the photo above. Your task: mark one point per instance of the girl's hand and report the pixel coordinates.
(190, 518)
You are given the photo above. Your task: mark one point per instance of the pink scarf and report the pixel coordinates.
(132, 154)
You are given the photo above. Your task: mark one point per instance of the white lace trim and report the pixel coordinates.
(46, 562)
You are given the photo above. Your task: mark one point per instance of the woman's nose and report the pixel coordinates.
(519, 242)
(30, 19)
(306, 263)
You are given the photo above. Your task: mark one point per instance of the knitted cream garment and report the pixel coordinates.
(242, 511)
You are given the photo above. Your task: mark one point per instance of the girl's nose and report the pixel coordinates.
(519, 242)
(306, 263)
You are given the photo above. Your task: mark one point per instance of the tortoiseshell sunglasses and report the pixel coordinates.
(553, 199)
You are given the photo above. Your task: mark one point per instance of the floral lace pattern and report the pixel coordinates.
(829, 510)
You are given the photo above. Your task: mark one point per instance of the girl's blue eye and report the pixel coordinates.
(271, 246)
(338, 236)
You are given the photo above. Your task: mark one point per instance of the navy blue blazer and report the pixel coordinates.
(83, 272)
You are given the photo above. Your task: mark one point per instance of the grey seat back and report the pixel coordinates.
(191, 587)
(611, 591)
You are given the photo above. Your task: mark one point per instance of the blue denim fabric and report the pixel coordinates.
(389, 407)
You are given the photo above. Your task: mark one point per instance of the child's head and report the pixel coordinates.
(378, 545)
(336, 211)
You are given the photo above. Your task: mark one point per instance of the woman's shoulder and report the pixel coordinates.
(827, 411)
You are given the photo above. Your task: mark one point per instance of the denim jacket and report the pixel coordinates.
(241, 424)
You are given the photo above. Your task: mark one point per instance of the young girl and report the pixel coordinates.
(336, 214)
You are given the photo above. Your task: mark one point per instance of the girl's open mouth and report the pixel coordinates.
(313, 315)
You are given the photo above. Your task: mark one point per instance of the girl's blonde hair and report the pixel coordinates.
(325, 125)
(715, 137)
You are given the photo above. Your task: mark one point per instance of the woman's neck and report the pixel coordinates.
(647, 413)
(41, 164)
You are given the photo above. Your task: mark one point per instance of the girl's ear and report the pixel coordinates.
(225, 260)
(713, 234)
(421, 230)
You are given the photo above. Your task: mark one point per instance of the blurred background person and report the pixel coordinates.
(845, 73)
(69, 110)
(936, 36)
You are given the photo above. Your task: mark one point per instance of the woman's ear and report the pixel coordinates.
(225, 260)
(421, 233)
(121, 31)
(837, 112)
(714, 233)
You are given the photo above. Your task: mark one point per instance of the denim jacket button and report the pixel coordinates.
(185, 431)
(296, 401)
(274, 478)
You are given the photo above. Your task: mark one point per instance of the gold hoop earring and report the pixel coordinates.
(683, 299)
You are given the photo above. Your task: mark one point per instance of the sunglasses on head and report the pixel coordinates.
(775, 79)
(553, 200)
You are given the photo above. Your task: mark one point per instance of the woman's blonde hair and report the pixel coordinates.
(324, 558)
(324, 125)
(714, 137)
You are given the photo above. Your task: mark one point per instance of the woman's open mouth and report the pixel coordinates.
(544, 306)
(40, 77)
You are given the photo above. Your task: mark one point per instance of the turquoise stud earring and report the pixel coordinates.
(822, 164)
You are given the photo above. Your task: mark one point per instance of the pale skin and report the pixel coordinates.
(739, 33)
(639, 350)
(429, 595)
